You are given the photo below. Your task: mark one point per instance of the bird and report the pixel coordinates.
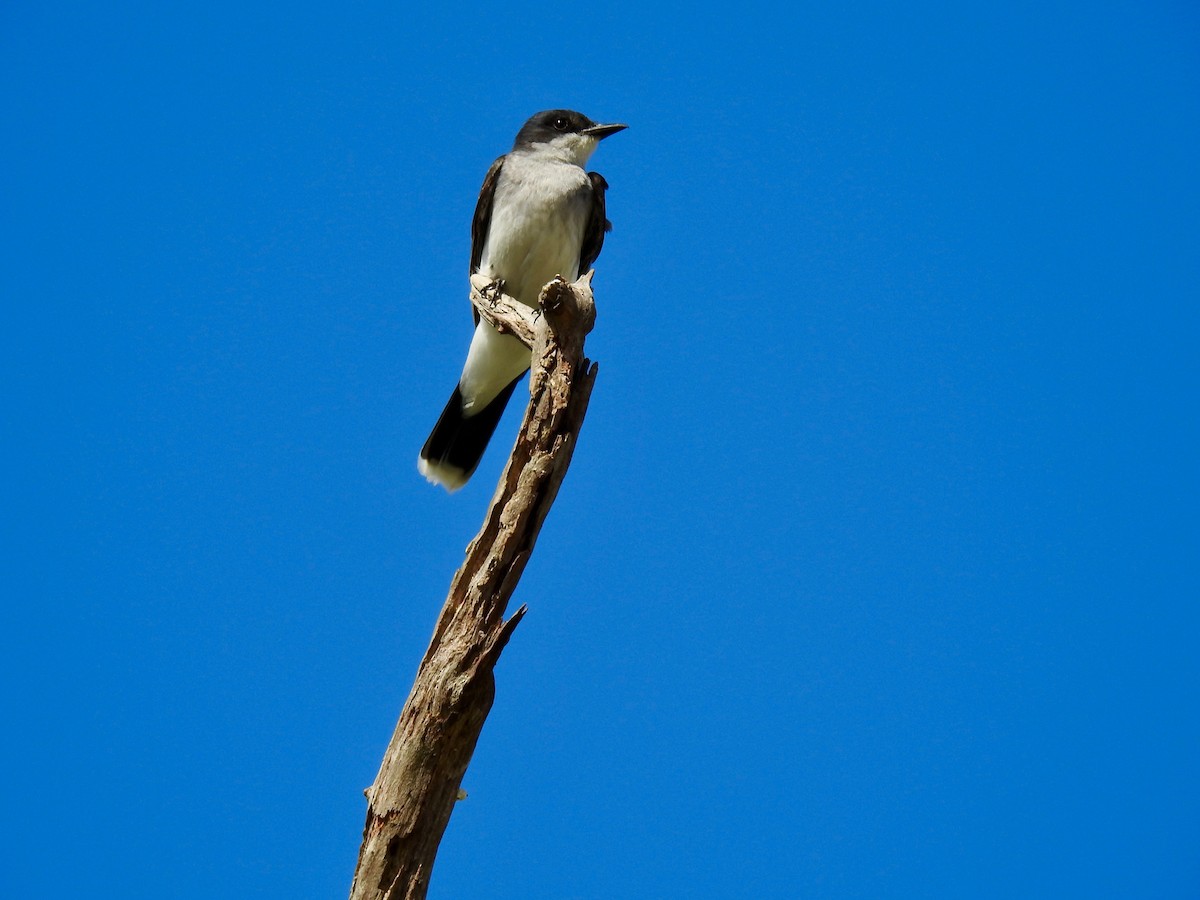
(540, 214)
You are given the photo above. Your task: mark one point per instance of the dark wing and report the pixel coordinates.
(483, 213)
(597, 226)
(483, 219)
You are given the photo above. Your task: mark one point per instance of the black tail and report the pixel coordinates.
(457, 442)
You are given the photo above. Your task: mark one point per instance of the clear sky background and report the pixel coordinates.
(875, 574)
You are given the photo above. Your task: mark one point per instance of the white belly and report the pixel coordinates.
(539, 213)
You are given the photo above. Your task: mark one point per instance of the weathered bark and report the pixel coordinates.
(414, 793)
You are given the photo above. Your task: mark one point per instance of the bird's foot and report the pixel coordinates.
(552, 293)
(493, 292)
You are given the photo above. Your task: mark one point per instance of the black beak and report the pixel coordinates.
(602, 131)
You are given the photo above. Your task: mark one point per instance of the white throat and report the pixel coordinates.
(575, 149)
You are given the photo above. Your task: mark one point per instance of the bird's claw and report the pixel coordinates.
(493, 292)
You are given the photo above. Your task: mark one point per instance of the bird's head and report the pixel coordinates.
(563, 133)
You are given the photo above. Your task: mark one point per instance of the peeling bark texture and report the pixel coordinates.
(414, 793)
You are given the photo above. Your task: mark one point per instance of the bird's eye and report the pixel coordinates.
(560, 124)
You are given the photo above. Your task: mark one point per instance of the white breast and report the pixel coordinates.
(539, 214)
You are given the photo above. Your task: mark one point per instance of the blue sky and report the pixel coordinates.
(875, 571)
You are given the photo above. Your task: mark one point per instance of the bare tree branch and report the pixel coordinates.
(414, 793)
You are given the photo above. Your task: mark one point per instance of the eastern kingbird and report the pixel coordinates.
(539, 215)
